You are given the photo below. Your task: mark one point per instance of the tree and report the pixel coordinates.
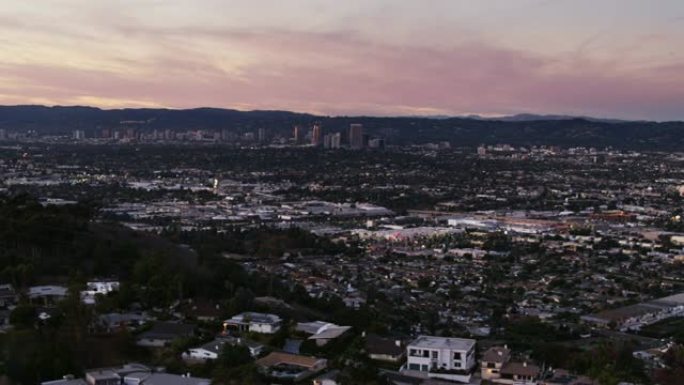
(23, 316)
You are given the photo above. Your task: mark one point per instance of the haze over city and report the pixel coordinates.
(612, 58)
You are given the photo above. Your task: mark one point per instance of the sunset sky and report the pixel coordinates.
(604, 58)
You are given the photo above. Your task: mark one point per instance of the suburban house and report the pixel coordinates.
(497, 368)
(7, 295)
(130, 374)
(441, 358)
(294, 367)
(254, 322)
(384, 349)
(493, 360)
(322, 332)
(519, 373)
(563, 377)
(211, 350)
(202, 310)
(163, 333)
(94, 288)
(48, 294)
(117, 321)
(329, 378)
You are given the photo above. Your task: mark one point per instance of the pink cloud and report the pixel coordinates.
(342, 73)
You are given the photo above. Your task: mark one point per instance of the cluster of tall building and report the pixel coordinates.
(315, 136)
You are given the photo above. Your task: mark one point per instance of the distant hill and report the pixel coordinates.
(524, 129)
(533, 117)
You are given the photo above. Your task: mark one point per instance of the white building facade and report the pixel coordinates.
(441, 357)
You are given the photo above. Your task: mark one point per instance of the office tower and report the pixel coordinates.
(336, 140)
(3, 134)
(297, 134)
(327, 140)
(356, 136)
(79, 135)
(131, 133)
(261, 135)
(316, 133)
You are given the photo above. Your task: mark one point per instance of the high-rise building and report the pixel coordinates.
(327, 139)
(79, 134)
(336, 140)
(316, 135)
(131, 133)
(3, 134)
(261, 135)
(356, 136)
(297, 134)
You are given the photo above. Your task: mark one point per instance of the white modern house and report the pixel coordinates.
(441, 357)
(98, 287)
(254, 322)
(211, 350)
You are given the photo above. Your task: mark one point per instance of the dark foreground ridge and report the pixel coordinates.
(555, 130)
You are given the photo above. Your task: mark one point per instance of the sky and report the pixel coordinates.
(603, 58)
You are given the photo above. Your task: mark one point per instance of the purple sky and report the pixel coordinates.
(607, 58)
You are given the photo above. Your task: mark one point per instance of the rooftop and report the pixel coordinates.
(443, 343)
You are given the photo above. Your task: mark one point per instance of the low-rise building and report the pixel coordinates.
(212, 349)
(441, 357)
(493, 360)
(293, 367)
(163, 333)
(385, 349)
(254, 322)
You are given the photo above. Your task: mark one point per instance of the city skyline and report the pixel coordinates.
(614, 59)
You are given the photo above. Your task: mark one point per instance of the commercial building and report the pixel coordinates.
(316, 135)
(356, 136)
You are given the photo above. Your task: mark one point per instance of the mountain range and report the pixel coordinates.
(522, 129)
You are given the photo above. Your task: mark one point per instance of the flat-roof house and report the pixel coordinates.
(93, 288)
(441, 357)
(212, 349)
(48, 293)
(254, 322)
(130, 374)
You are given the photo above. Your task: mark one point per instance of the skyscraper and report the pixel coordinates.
(336, 140)
(356, 136)
(316, 134)
(297, 134)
